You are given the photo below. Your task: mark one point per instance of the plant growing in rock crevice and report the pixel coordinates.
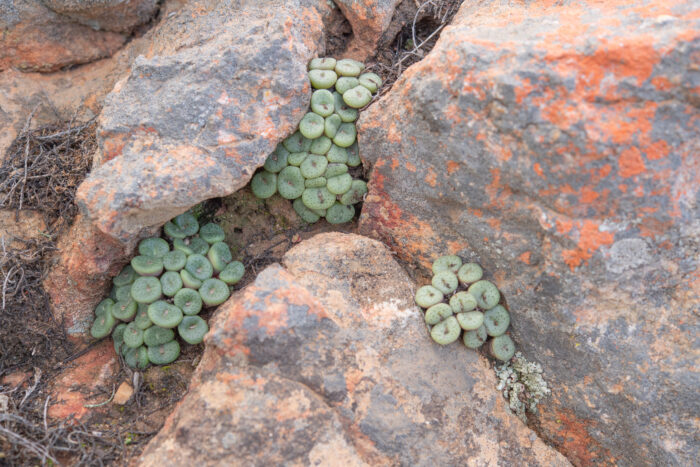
(164, 288)
(312, 166)
(473, 310)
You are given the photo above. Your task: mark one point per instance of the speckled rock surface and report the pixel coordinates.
(369, 20)
(106, 15)
(558, 146)
(219, 86)
(326, 361)
(35, 38)
(82, 276)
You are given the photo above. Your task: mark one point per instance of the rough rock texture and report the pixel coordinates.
(558, 146)
(54, 97)
(35, 38)
(77, 384)
(88, 256)
(369, 20)
(219, 86)
(328, 362)
(87, 261)
(107, 15)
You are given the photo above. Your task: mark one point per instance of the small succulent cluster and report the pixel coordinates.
(472, 306)
(165, 287)
(522, 385)
(312, 166)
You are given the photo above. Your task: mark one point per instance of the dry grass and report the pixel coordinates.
(415, 40)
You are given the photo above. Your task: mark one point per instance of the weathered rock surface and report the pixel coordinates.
(81, 277)
(57, 97)
(558, 146)
(327, 362)
(106, 15)
(369, 20)
(216, 90)
(81, 380)
(35, 38)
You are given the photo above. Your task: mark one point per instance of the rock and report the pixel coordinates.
(123, 394)
(57, 97)
(83, 382)
(557, 146)
(369, 20)
(214, 93)
(36, 38)
(327, 360)
(106, 15)
(87, 261)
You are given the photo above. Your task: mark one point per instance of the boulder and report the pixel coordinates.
(200, 110)
(35, 38)
(327, 361)
(106, 15)
(557, 145)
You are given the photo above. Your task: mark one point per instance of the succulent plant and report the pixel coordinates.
(371, 81)
(264, 184)
(312, 125)
(357, 97)
(348, 67)
(214, 292)
(188, 300)
(164, 353)
(192, 329)
(496, 321)
(475, 311)
(428, 296)
(486, 294)
(346, 83)
(437, 313)
(168, 284)
(447, 263)
(322, 79)
(340, 213)
(311, 167)
(146, 290)
(502, 347)
(322, 103)
(446, 331)
(322, 64)
(470, 273)
(124, 310)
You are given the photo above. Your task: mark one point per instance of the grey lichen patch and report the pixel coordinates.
(522, 385)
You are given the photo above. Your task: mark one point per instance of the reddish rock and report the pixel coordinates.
(200, 110)
(36, 38)
(82, 276)
(57, 97)
(328, 361)
(107, 15)
(81, 381)
(557, 145)
(369, 20)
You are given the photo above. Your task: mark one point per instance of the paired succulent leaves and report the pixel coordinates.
(164, 288)
(459, 302)
(311, 167)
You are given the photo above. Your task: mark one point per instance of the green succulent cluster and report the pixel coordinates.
(457, 300)
(164, 288)
(312, 166)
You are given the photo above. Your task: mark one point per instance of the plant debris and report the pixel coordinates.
(414, 41)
